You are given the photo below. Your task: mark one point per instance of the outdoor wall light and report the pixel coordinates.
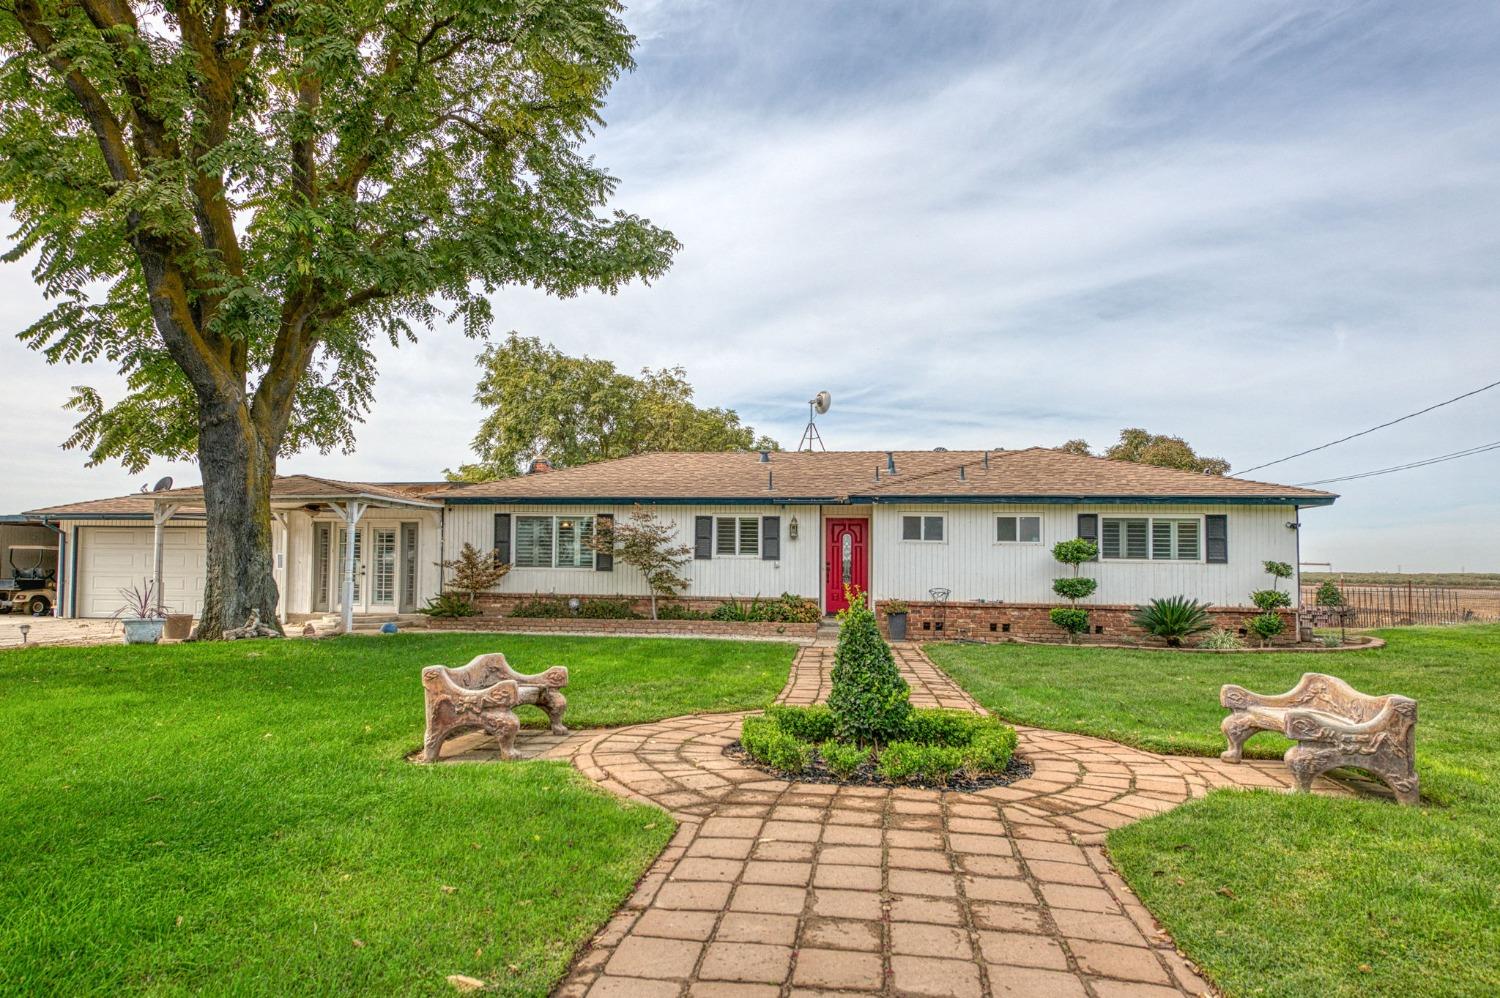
(791, 528)
(573, 604)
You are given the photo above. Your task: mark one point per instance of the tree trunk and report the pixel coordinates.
(237, 470)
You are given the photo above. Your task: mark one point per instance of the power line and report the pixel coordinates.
(1467, 452)
(1400, 419)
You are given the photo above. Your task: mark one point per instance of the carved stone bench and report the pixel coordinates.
(484, 695)
(1333, 725)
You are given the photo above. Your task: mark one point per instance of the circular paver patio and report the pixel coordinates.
(779, 888)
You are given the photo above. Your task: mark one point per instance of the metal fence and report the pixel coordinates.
(1401, 605)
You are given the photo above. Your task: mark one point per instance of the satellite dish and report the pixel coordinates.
(821, 402)
(163, 485)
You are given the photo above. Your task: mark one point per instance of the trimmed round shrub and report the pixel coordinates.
(1072, 619)
(900, 761)
(1075, 587)
(766, 743)
(1270, 599)
(808, 724)
(1266, 626)
(869, 699)
(843, 760)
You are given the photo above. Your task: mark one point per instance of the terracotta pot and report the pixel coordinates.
(179, 626)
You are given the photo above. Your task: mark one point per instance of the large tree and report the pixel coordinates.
(1145, 447)
(229, 199)
(574, 410)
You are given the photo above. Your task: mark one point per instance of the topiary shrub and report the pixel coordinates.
(1266, 626)
(869, 699)
(1072, 619)
(808, 724)
(843, 761)
(1173, 618)
(1270, 599)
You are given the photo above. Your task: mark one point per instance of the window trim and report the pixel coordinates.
(1151, 521)
(577, 518)
(739, 520)
(1018, 517)
(924, 517)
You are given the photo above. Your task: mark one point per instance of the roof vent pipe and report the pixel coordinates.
(986, 460)
(961, 477)
(770, 481)
(765, 457)
(890, 462)
(877, 472)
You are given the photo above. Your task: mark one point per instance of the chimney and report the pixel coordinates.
(890, 462)
(540, 466)
(765, 457)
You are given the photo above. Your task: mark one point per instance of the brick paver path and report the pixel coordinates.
(773, 888)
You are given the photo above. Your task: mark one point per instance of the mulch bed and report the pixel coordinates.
(867, 776)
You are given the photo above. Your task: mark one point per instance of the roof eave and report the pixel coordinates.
(1179, 500)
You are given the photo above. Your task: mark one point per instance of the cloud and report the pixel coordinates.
(1259, 226)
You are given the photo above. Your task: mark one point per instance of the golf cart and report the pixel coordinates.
(31, 586)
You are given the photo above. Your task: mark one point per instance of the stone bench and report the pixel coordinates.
(484, 695)
(1333, 725)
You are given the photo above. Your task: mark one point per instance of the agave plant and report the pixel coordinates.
(1173, 618)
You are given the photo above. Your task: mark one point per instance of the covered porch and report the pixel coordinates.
(350, 549)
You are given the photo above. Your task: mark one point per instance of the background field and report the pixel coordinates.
(1456, 580)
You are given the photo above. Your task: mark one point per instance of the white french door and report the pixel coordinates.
(375, 558)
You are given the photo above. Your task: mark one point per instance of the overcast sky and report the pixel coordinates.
(1259, 226)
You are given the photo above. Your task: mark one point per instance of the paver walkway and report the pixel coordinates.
(773, 888)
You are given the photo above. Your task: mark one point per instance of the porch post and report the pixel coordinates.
(161, 512)
(351, 512)
(280, 516)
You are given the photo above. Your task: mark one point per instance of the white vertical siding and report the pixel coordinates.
(795, 572)
(969, 562)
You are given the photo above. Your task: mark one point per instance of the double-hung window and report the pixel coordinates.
(921, 528)
(1142, 538)
(554, 542)
(737, 535)
(1018, 529)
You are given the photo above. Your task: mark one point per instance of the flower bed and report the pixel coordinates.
(955, 749)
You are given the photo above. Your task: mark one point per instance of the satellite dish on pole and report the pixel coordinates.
(163, 485)
(816, 406)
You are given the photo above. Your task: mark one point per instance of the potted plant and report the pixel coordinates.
(142, 614)
(895, 615)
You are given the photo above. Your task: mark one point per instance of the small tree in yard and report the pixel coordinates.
(1073, 618)
(869, 699)
(1329, 594)
(646, 545)
(1269, 623)
(474, 572)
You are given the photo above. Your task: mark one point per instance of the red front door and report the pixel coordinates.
(846, 561)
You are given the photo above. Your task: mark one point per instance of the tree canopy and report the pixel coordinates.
(1145, 447)
(541, 402)
(229, 201)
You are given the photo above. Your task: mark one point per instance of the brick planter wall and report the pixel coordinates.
(501, 604)
(1030, 622)
(580, 625)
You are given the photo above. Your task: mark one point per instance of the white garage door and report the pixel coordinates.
(115, 558)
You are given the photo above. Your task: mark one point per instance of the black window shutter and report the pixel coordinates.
(703, 537)
(770, 538)
(1088, 529)
(502, 538)
(604, 523)
(1216, 539)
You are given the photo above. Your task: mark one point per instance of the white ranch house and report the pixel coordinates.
(898, 525)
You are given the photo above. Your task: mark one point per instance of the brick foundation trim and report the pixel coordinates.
(759, 630)
(1109, 623)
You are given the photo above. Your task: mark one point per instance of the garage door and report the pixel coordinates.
(115, 558)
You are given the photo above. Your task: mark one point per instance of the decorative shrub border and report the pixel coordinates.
(939, 749)
(1031, 622)
(673, 628)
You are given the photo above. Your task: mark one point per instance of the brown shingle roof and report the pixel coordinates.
(286, 487)
(840, 476)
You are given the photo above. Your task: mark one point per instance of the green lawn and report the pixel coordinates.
(232, 818)
(1280, 895)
